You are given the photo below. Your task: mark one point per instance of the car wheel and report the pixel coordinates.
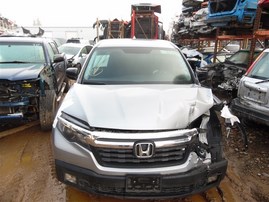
(47, 109)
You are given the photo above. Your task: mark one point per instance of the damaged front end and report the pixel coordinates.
(225, 76)
(221, 77)
(181, 162)
(19, 100)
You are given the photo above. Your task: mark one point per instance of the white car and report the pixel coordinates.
(137, 123)
(252, 102)
(76, 53)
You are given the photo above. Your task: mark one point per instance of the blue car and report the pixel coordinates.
(231, 13)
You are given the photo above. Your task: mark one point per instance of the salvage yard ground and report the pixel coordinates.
(26, 167)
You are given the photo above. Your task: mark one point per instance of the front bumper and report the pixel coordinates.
(6, 108)
(244, 111)
(142, 186)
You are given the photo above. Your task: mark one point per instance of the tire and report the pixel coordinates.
(47, 109)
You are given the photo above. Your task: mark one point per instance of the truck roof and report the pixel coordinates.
(147, 6)
(135, 43)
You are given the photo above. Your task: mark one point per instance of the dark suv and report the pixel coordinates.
(32, 78)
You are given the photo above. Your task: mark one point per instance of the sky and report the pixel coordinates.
(60, 13)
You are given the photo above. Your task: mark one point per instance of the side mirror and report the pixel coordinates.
(58, 58)
(72, 73)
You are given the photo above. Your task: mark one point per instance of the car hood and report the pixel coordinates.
(15, 72)
(134, 107)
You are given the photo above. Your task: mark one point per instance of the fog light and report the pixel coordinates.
(70, 178)
(212, 179)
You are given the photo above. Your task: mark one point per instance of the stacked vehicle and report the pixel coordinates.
(202, 17)
(238, 13)
(191, 23)
(144, 24)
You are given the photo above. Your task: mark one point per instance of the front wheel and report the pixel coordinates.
(47, 109)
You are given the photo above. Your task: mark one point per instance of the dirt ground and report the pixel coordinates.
(26, 167)
(248, 170)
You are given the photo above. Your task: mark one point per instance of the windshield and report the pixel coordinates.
(261, 68)
(239, 58)
(136, 65)
(70, 50)
(11, 52)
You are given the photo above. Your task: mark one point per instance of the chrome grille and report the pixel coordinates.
(124, 158)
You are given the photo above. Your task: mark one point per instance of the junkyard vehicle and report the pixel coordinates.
(32, 77)
(229, 13)
(145, 23)
(191, 22)
(225, 76)
(252, 102)
(76, 53)
(193, 3)
(77, 40)
(136, 123)
(112, 29)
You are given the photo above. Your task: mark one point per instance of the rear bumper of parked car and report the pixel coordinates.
(244, 111)
(165, 186)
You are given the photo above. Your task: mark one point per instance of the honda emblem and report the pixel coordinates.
(144, 150)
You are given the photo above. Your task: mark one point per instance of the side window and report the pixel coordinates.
(51, 54)
(52, 49)
(84, 51)
(89, 48)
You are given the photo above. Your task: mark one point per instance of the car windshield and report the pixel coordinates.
(136, 65)
(70, 50)
(239, 58)
(261, 68)
(13, 52)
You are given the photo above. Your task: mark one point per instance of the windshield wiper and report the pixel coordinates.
(263, 81)
(14, 61)
(229, 62)
(94, 82)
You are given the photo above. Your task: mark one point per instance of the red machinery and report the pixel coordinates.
(145, 23)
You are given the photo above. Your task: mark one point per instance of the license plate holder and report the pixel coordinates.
(143, 183)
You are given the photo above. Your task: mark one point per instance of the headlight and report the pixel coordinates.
(73, 132)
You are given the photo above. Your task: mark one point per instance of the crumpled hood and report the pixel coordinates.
(15, 72)
(137, 107)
